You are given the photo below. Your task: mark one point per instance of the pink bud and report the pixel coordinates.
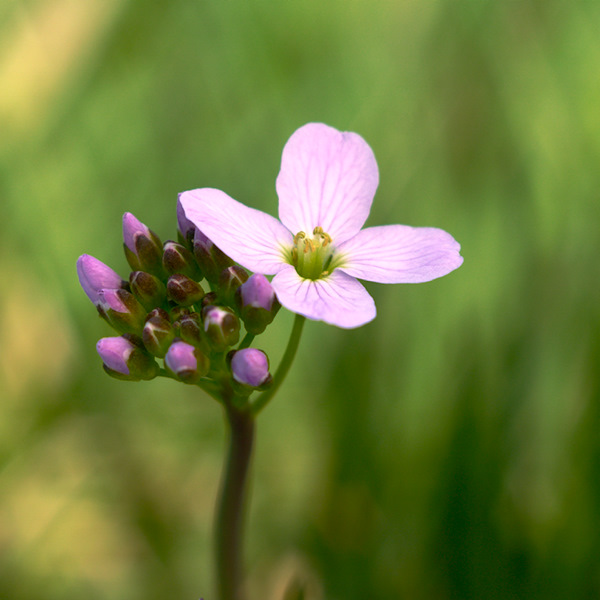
(132, 228)
(250, 367)
(94, 275)
(257, 292)
(115, 352)
(186, 362)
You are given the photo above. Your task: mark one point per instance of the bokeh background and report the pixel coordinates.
(449, 449)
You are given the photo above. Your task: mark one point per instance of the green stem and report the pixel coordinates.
(284, 366)
(245, 343)
(230, 508)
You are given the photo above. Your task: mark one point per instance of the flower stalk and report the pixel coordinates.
(284, 366)
(232, 502)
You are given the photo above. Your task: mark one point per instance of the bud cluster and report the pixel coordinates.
(185, 302)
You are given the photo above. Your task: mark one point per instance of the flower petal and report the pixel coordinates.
(252, 238)
(338, 299)
(328, 178)
(400, 254)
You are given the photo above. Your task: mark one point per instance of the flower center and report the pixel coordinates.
(313, 257)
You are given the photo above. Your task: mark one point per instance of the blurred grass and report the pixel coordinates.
(449, 449)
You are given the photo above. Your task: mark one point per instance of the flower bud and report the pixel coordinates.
(185, 227)
(143, 247)
(187, 363)
(123, 359)
(210, 258)
(221, 326)
(183, 290)
(210, 299)
(191, 331)
(94, 276)
(148, 289)
(157, 335)
(229, 281)
(250, 367)
(121, 310)
(178, 259)
(158, 312)
(177, 312)
(258, 303)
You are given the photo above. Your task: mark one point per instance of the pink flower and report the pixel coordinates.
(325, 186)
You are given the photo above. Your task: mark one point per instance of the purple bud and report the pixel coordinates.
(122, 310)
(177, 312)
(143, 247)
(183, 290)
(210, 299)
(110, 300)
(186, 362)
(148, 289)
(158, 312)
(257, 292)
(132, 228)
(258, 303)
(125, 360)
(115, 352)
(184, 225)
(250, 367)
(211, 259)
(191, 331)
(221, 326)
(180, 357)
(230, 280)
(94, 275)
(157, 335)
(178, 259)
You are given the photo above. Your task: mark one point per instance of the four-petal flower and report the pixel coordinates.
(325, 186)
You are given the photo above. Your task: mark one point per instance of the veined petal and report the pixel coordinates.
(400, 254)
(337, 299)
(252, 238)
(327, 179)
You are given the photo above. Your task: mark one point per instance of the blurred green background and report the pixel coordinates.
(449, 449)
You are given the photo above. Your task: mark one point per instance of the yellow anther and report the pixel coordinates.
(312, 256)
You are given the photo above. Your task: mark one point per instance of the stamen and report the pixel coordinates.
(313, 256)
